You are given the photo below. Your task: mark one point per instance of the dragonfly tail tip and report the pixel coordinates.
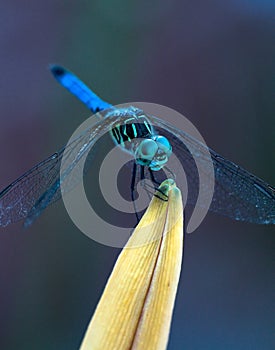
(56, 70)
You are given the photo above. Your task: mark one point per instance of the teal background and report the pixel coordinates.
(213, 61)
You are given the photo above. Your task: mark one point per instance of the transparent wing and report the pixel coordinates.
(30, 194)
(18, 198)
(238, 194)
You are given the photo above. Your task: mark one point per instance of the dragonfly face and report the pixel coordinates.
(137, 136)
(153, 152)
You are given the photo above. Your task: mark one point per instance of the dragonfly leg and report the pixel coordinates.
(173, 176)
(155, 189)
(133, 189)
(152, 176)
(144, 184)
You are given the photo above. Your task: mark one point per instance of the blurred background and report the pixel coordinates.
(210, 60)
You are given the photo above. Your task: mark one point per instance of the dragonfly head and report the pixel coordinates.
(153, 152)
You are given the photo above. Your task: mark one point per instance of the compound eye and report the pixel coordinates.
(147, 149)
(163, 144)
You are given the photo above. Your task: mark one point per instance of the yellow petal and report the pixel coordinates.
(136, 307)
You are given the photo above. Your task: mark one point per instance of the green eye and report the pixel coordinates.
(163, 143)
(147, 149)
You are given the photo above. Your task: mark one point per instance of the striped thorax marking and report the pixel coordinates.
(135, 127)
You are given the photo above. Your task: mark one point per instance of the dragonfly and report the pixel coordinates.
(238, 194)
